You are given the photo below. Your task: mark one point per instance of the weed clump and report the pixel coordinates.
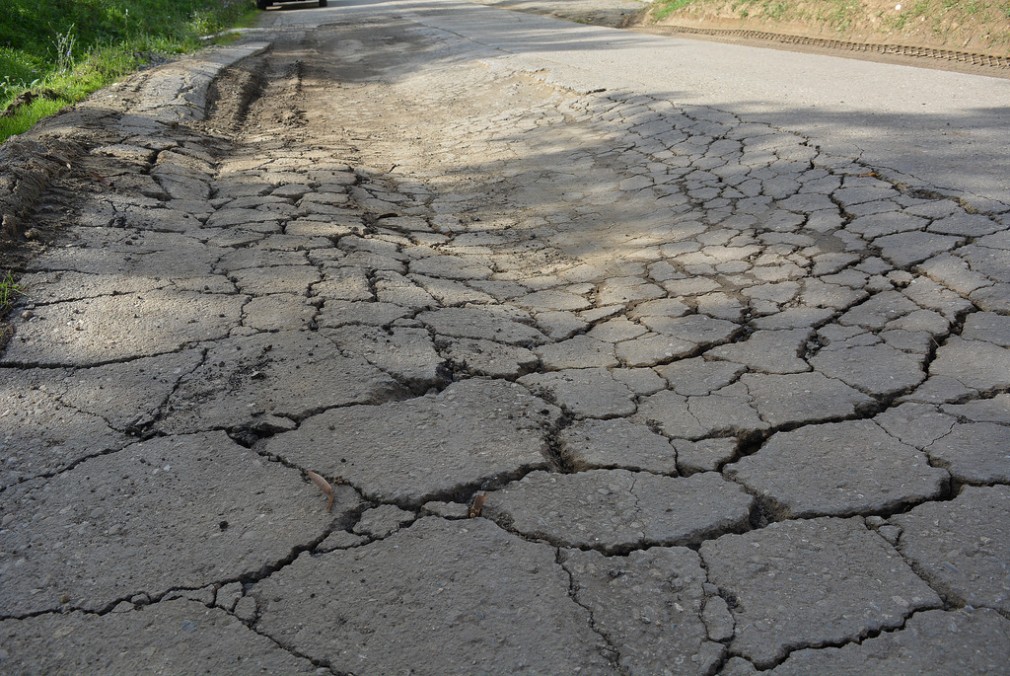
(9, 291)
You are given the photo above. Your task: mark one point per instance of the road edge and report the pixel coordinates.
(168, 94)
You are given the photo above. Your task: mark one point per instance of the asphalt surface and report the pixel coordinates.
(431, 338)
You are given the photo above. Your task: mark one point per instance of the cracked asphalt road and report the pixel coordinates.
(606, 379)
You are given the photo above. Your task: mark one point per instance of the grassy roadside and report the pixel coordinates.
(971, 25)
(54, 53)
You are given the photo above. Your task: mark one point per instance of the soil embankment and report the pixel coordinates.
(971, 37)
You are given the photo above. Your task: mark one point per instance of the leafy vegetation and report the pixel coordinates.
(9, 290)
(56, 52)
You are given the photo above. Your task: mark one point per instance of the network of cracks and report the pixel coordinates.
(599, 382)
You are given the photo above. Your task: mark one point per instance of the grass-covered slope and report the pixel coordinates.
(55, 52)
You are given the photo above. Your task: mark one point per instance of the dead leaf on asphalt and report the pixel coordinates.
(324, 486)
(477, 506)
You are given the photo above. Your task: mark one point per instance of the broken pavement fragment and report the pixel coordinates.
(451, 596)
(767, 351)
(975, 453)
(619, 443)
(976, 364)
(797, 584)
(932, 643)
(584, 393)
(113, 328)
(962, 546)
(485, 357)
(290, 374)
(879, 370)
(278, 312)
(575, 353)
(294, 279)
(617, 510)
(129, 252)
(996, 409)
(178, 636)
(173, 512)
(795, 398)
(129, 395)
(40, 434)
(649, 605)
(47, 287)
(429, 447)
(404, 353)
(728, 410)
(838, 469)
(378, 522)
(480, 323)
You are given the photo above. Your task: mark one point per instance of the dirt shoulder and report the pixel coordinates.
(975, 27)
(961, 39)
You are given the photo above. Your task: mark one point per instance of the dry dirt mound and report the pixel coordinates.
(929, 28)
(972, 36)
(972, 26)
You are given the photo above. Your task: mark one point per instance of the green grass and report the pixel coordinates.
(919, 9)
(940, 16)
(668, 7)
(841, 14)
(9, 290)
(62, 50)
